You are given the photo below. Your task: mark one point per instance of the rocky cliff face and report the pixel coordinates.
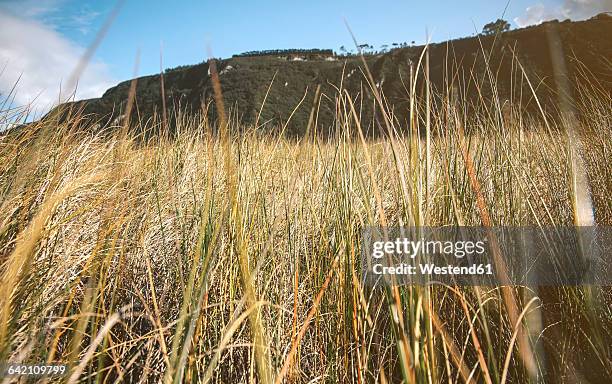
(468, 65)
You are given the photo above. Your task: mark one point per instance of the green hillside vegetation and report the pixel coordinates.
(248, 77)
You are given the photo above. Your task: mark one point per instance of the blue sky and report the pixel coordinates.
(186, 28)
(229, 27)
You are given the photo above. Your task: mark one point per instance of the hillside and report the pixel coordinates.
(245, 79)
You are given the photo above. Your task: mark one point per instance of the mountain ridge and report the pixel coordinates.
(286, 82)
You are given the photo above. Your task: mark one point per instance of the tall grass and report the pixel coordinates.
(228, 257)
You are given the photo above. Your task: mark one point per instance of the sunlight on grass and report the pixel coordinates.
(235, 258)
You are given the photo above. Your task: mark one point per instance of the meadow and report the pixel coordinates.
(223, 253)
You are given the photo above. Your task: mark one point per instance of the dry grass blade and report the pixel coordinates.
(307, 321)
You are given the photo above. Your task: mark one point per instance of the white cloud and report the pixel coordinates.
(32, 8)
(43, 61)
(534, 15)
(61, 15)
(570, 9)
